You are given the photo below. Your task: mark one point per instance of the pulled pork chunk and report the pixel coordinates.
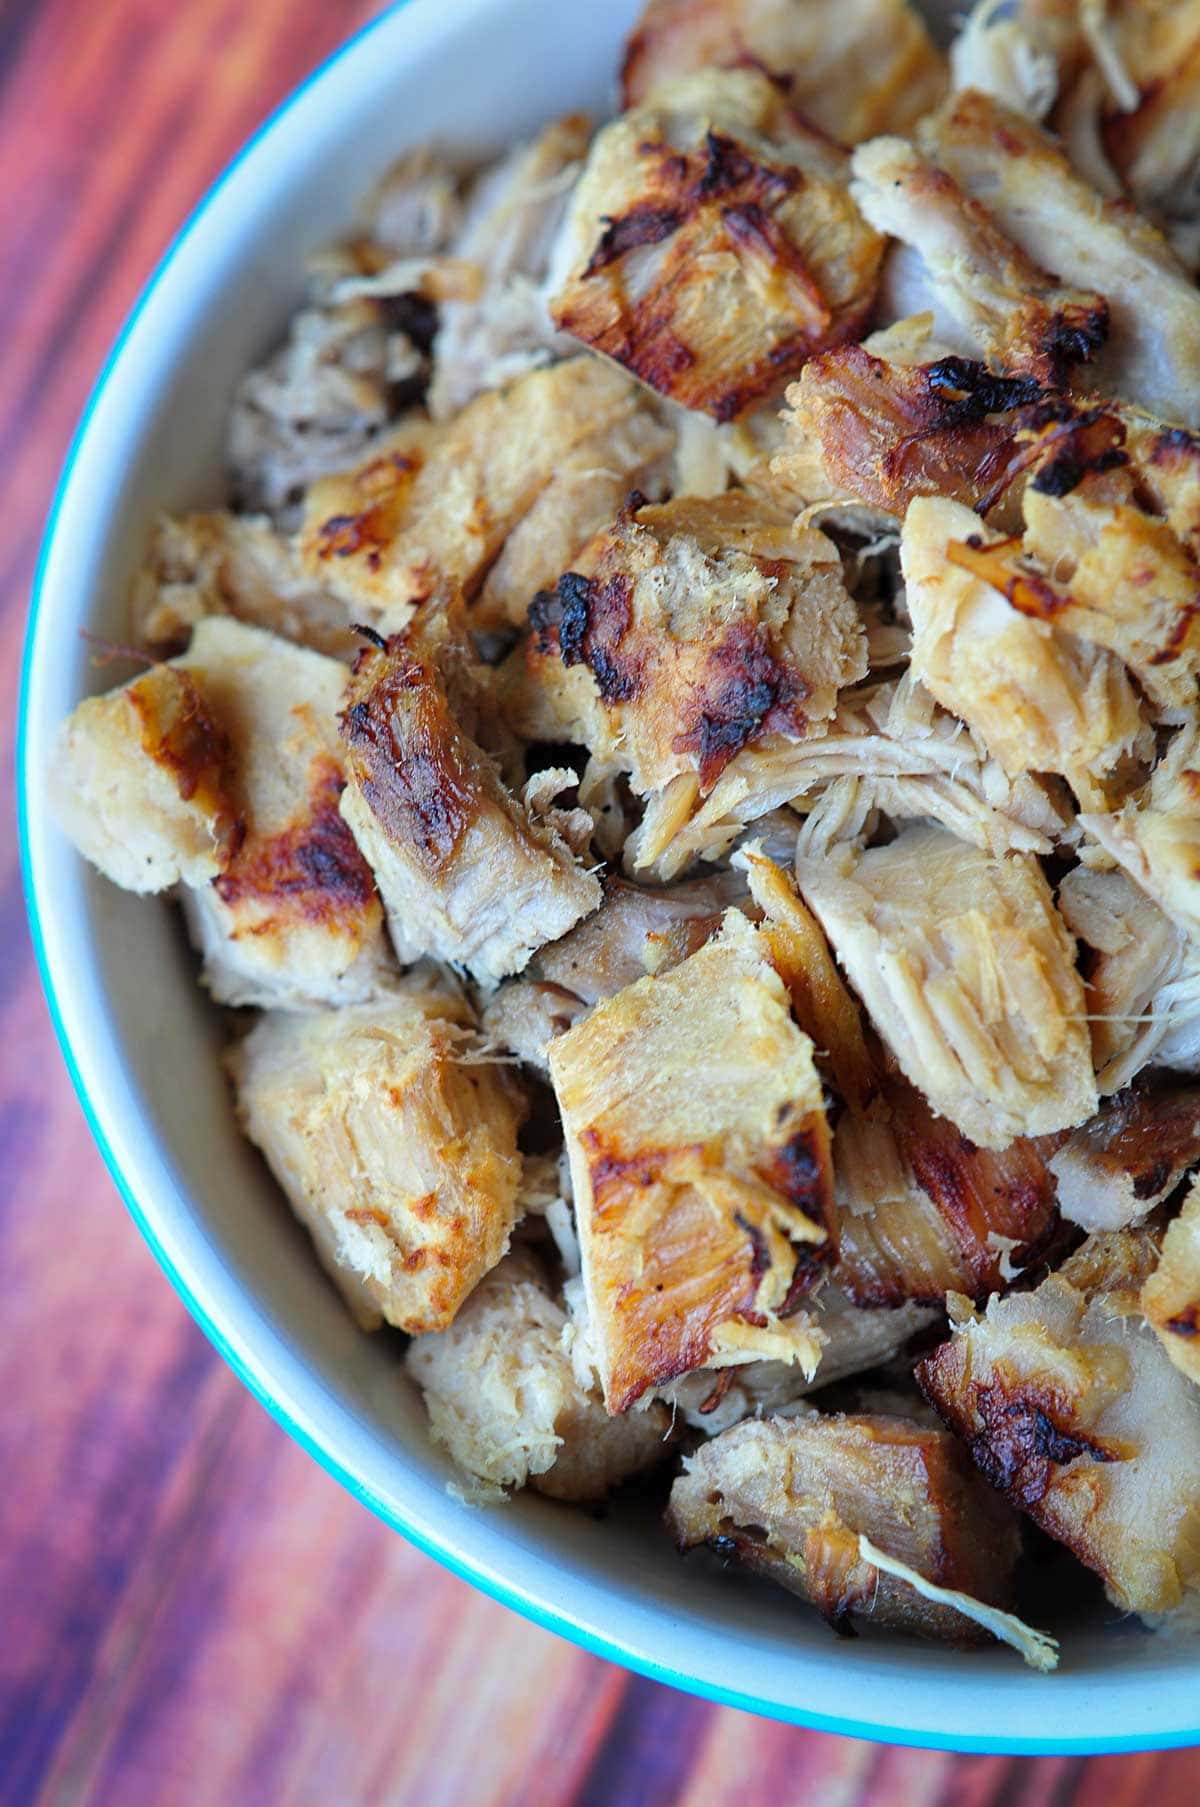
(509, 222)
(468, 872)
(227, 564)
(504, 1400)
(987, 645)
(1070, 1407)
(1155, 835)
(1023, 319)
(1005, 164)
(687, 634)
(702, 1186)
(853, 69)
(1115, 1169)
(969, 976)
(711, 244)
(432, 507)
(789, 1500)
(1007, 56)
(923, 1211)
(396, 1149)
(1142, 973)
(896, 750)
(222, 771)
(1171, 1295)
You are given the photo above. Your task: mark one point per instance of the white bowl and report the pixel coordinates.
(142, 1044)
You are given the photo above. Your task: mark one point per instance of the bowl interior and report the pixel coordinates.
(143, 1044)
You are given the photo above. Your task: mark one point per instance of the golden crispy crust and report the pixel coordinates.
(1171, 1296)
(715, 247)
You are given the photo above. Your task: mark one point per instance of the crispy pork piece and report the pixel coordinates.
(429, 511)
(1155, 835)
(1142, 974)
(686, 634)
(789, 1499)
(852, 69)
(923, 1211)
(590, 487)
(468, 872)
(503, 1398)
(223, 770)
(885, 431)
(967, 972)
(986, 644)
(396, 1149)
(1025, 320)
(1170, 1297)
(699, 1156)
(1069, 1405)
(1116, 1168)
(509, 223)
(711, 245)
(1005, 163)
(226, 564)
(144, 781)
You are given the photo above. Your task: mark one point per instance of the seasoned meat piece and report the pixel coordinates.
(700, 1165)
(1070, 1407)
(789, 1499)
(467, 872)
(922, 1211)
(853, 67)
(985, 643)
(503, 1398)
(1143, 977)
(968, 974)
(524, 1015)
(1155, 836)
(1171, 1296)
(1024, 320)
(1117, 1167)
(1003, 161)
(687, 634)
(227, 564)
(588, 490)
(711, 244)
(886, 431)
(144, 782)
(432, 507)
(396, 1149)
(905, 755)
(415, 210)
(223, 770)
(511, 216)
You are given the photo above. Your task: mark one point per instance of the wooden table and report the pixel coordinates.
(191, 1613)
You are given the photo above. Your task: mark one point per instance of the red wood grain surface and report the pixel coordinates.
(191, 1613)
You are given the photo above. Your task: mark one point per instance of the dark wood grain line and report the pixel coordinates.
(648, 1751)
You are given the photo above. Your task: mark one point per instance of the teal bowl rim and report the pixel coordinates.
(257, 1384)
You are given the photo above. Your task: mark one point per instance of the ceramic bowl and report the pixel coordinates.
(142, 1043)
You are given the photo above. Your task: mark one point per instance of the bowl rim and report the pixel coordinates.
(258, 1381)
